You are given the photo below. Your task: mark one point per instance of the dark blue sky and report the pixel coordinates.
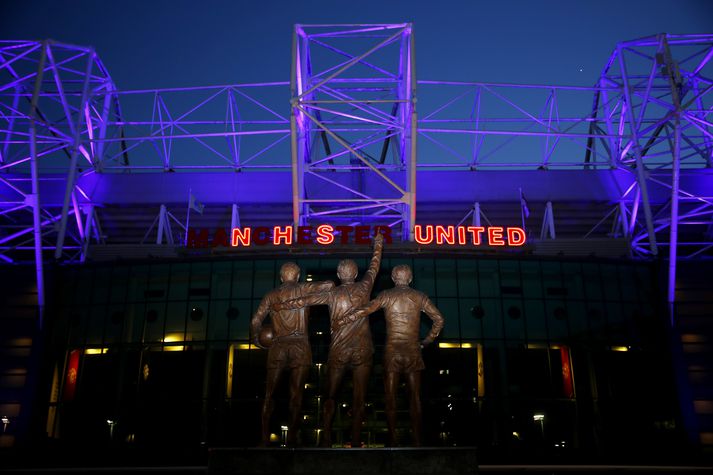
(147, 44)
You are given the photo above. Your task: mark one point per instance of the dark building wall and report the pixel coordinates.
(152, 343)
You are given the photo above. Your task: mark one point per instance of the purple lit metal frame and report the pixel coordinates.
(352, 130)
(348, 107)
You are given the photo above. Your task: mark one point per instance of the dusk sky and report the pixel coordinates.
(148, 44)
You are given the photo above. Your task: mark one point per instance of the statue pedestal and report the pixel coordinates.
(303, 461)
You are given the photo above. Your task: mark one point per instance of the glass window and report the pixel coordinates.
(489, 283)
(536, 321)
(176, 318)
(119, 284)
(95, 329)
(155, 319)
(446, 278)
(101, 285)
(423, 277)
(84, 286)
(577, 314)
(197, 319)
(514, 319)
(492, 318)
(557, 318)
(449, 309)
(138, 283)
(263, 277)
(242, 279)
(472, 316)
(179, 280)
(531, 281)
(467, 278)
(221, 276)
(115, 321)
(592, 281)
(135, 321)
(239, 328)
(610, 278)
(221, 311)
(628, 281)
(572, 280)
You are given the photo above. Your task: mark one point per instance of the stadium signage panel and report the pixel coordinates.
(328, 235)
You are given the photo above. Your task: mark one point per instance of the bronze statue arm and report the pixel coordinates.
(438, 321)
(375, 264)
(314, 287)
(320, 298)
(361, 312)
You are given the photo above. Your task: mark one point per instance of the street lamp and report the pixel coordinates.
(541, 419)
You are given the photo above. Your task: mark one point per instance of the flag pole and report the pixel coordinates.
(188, 217)
(522, 212)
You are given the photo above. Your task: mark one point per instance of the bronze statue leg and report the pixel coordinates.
(391, 383)
(414, 389)
(334, 380)
(298, 376)
(273, 377)
(361, 378)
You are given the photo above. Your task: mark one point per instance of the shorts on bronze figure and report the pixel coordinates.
(290, 349)
(351, 346)
(402, 307)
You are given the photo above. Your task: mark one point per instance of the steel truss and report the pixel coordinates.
(351, 135)
(348, 108)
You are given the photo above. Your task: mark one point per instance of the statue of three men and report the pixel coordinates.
(351, 344)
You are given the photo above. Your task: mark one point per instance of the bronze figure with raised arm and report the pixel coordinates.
(402, 307)
(289, 349)
(351, 346)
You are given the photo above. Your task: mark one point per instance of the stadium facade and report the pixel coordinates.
(565, 233)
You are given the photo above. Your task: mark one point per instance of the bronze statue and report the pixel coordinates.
(290, 345)
(402, 307)
(351, 345)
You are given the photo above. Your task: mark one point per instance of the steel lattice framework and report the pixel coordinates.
(352, 106)
(343, 132)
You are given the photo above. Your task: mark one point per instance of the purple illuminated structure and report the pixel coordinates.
(628, 158)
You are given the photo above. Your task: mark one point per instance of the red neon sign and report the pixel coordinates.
(326, 234)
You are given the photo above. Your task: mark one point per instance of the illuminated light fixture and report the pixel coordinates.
(247, 346)
(309, 278)
(543, 346)
(447, 344)
(96, 351)
(274, 437)
(20, 342)
(538, 417)
(170, 341)
(174, 348)
(693, 338)
(620, 348)
(174, 338)
(283, 427)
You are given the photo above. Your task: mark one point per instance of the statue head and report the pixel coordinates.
(347, 270)
(402, 275)
(289, 272)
